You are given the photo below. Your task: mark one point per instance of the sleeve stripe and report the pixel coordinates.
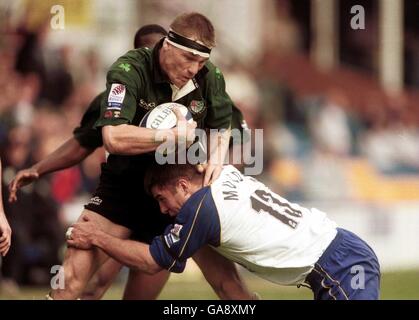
(190, 231)
(163, 240)
(170, 253)
(172, 265)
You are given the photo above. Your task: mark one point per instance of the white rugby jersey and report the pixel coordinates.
(265, 233)
(247, 223)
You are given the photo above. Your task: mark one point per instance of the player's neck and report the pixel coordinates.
(195, 187)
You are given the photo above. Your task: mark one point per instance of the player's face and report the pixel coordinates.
(180, 65)
(170, 199)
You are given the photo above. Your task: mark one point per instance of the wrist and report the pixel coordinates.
(3, 219)
(164, 135)
(97, 238)
(36, 168)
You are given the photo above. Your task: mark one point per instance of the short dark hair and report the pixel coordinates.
(145, 31)
(168, 174)
(194, 24)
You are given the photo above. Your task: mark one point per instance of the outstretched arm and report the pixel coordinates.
(131, 253)
(67, 155)
(222, 275)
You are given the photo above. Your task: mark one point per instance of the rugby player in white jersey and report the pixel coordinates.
(246, 222)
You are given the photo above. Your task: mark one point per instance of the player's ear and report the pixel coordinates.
(184, 184)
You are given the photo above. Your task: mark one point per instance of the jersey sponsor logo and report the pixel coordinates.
(197, 106)
(118, 89)
(148, 106)
(116, 96)
(176, 230)
(112, 114)
(95, 200)
(108, 114)
(174, 235)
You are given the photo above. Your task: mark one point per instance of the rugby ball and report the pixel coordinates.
(163, 117)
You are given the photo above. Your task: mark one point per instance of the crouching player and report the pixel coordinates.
(247, 223)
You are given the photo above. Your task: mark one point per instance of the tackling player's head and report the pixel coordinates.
(148, 35)
(187, 47)
(172, 184)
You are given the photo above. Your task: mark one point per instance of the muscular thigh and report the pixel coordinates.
(106, 225)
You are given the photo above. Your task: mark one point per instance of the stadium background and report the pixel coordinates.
(339, 108)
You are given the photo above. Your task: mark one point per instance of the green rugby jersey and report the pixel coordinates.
(136, 84)
(91, 138)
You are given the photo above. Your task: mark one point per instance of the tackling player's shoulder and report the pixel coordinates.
(195, 202)
(196, 199)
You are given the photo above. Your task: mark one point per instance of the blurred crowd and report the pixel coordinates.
(309, 135)
(44, 94)
(316, 129)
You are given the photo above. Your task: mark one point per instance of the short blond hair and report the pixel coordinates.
(195, 26)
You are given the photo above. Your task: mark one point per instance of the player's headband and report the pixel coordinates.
(186, 44)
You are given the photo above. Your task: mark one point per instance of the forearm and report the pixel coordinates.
(67, 155)
(3, 219)
(133, 254)
(131, 140)
(221, 274)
